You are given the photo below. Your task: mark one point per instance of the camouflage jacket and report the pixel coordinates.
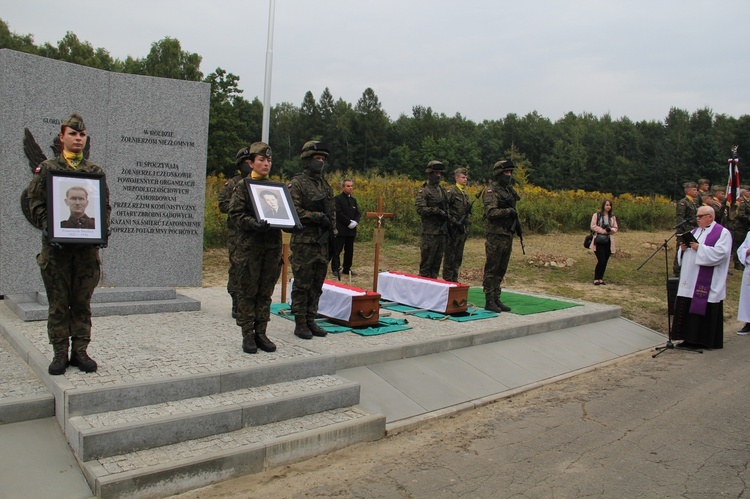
(312, 197)
(431, 201)
(225, 196)
(458, 208)
(241, 218)
(37, 189)
(687, 209)
(499, 203)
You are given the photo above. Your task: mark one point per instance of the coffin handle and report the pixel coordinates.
(372, 312)
(461, 303)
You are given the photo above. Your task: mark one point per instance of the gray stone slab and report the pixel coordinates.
(150, 137)
(379, 396)
(494, 364)
(536, 361)
(619, 336)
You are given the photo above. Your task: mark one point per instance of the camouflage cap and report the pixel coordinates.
(461, 171)
(719, 188)
(703, 181)
(689, 185)
(503, 165)
(242, 155)
(745, 187)
(313, 147)
(260, 148)
(75, 122)
(435, 166)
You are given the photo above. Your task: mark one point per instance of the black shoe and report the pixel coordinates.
(302, 331)
(502, 306)
(349, 272)
(264, 343)
(59, 363)
(492, 306)
(248, 344)
(83, 361)
(336, 274)
(745, 329)
(316, 330)
(689, 346)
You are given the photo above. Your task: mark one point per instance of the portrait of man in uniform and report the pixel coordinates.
(272, 202)
(77, 200)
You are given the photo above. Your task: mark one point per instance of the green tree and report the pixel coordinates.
(224, 125)
(9, 40)
(371, 126)
(167, 60)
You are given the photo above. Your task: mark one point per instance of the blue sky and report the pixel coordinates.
(481, 58)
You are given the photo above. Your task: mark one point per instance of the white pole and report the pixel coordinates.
(269, 65)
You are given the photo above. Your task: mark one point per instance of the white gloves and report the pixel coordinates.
(352, 224)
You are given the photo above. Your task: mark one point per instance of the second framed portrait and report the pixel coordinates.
(272, 203)
(76, 205)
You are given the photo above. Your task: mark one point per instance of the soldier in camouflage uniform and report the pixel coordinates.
(500, 211)
(257, 256)
(432, 208)
(242, 161)
(70, 272)
(458, 218)
(312, 246)
(739, 223)
(687, 209)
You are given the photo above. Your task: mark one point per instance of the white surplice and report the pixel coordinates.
(718, 256)
(743, 313)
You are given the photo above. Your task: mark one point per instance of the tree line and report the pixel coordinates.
(578, 151)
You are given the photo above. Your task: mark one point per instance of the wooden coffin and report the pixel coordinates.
(425, 293)
(349, 306)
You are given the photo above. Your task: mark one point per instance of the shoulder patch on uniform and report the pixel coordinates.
(420, 191)
(37, 169)
(488, 191)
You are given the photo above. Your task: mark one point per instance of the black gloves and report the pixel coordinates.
(261, 225)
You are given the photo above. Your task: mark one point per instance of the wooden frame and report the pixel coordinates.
(76, 207)
(264, 194)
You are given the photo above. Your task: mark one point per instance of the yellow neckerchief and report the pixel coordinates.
(689, 197)
(461, 187)
(258, 176)
(73, 158)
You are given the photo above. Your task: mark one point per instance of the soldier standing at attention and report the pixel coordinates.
(347, 219)
(704, 185)
(458, 216)
(257, 256)
(739, 223)
(687, 208)
(432, 207)
(500, 211)
(242, 161)
(311, 247)
(70, 272)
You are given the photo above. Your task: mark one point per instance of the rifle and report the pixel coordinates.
(471, 205)
(516, 227)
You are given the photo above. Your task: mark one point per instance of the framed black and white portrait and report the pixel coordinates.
(272, 203)
(76, 207)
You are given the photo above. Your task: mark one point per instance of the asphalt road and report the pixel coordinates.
(674, 426)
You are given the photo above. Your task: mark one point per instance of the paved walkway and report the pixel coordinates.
(451, 365)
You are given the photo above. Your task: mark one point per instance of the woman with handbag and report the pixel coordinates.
(603, 225)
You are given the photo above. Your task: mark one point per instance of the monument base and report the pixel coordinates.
(109, 301)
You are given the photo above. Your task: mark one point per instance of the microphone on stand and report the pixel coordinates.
(680, 224)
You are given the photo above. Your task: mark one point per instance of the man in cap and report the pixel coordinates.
(459, 209)
(500, 211)
(432, 208)
(70, 271)
(312, 246)
(704, 185)
(257, 256)
(242, 163)
(687, 208)
(718, 203)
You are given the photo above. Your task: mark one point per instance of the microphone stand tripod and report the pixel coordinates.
(669, 345)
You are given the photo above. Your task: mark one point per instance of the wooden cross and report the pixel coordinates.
(378, 237)
(286, 239)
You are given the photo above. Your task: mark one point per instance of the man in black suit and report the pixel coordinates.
(347, 219)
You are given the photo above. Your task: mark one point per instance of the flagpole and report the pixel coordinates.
(269, 65)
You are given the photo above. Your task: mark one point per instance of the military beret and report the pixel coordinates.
(75, 122)
(260, 148)
(435, 166)
(719, 188)
(461, 171)
(242, 155)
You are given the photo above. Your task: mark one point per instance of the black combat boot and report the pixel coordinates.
(315, 329)
(489, 304)
(248, 343)
(503, 306)
(300, 329)
(82, 360)
(60, 360)
(263, 341)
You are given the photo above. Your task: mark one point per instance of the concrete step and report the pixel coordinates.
(171, 469)
(117, 432)
(109, 301)
(23, 396)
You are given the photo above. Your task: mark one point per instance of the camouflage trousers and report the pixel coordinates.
(454, 256)
(70, 276)
(497, 249)
(432, 248)
(257, 274)
(309, 266)
(233, 284)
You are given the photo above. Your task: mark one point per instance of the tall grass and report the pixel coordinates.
(541, 211)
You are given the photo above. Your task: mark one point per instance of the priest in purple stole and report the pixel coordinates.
(699, 308)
